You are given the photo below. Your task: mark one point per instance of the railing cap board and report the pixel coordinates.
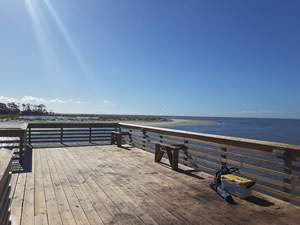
(71, 125)
(13, 125)
(241, 142)
(5, 157)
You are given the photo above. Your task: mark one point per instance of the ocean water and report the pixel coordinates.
(276, 130)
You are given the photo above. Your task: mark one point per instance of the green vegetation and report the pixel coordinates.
(12, 110)
(128, 118)
(8, 116)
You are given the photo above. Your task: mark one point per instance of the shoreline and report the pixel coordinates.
(171, 123)
(174, 122)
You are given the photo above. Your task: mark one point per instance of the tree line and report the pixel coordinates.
(23, 109)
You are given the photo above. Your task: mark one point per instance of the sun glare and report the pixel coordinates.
(40, 34)
(44, 44)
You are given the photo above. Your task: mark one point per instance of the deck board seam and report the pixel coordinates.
(129, 162)
(105, 192)
(87, 158)
(130, 204)
(53, 172)
(70, 194)
(87, 175)
(66, 168)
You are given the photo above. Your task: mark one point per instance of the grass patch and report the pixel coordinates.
(5, 116)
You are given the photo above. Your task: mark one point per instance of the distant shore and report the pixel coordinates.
(170, 123)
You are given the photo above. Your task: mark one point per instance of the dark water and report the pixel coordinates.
(277, 130)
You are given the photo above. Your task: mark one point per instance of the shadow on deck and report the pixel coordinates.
(110, 185)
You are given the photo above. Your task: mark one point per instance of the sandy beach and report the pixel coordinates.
(173, 122)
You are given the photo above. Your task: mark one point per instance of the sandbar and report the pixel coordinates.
(171, 123)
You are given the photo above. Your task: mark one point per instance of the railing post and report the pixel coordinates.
(161, 138)
(287, 170)
(130, 138)
(90, 135)
(21, 148)
(185, 156)
(144, 137)
(29, 135)
(61, 135)
(223, 156)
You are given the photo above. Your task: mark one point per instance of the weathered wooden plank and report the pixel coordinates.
(106, 209)
(211, 198)
(76, 207)
(124, 216)
(17, 200)
(66, 165)
(157, 196)
(132, 200)
(53, 214)
(163, 214)
(107, 189)
(41, 219)
(39, 194)
(28, 203)
(73, 202)
(63, 205)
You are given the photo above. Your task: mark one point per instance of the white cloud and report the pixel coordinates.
(108, 103)
(7, 99)
(77, 102)
(165, 106)
(32, 99)
(56, 100)
(41, 100)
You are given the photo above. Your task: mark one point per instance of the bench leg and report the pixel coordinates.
(112, 139)
(174, 164)
(170, 156)
(119, 140)
(158, 153)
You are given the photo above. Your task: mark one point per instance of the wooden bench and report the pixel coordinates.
(172, 152)
(116, 136)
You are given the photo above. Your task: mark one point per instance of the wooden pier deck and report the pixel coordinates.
(111, 185)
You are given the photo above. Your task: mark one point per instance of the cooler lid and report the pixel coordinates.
(236, 179)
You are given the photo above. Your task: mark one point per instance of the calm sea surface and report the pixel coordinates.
(277, 130)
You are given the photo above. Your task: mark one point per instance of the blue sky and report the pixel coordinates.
(161, 57)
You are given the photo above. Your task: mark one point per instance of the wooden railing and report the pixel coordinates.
(5, 187)
(274, 166)
(14, 140)
(69, 132)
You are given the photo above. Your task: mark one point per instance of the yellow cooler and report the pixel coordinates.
(237, 186)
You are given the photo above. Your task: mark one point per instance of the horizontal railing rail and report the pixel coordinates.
(274, 166)
(69, 132)
(5, 187)
(14, 139)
